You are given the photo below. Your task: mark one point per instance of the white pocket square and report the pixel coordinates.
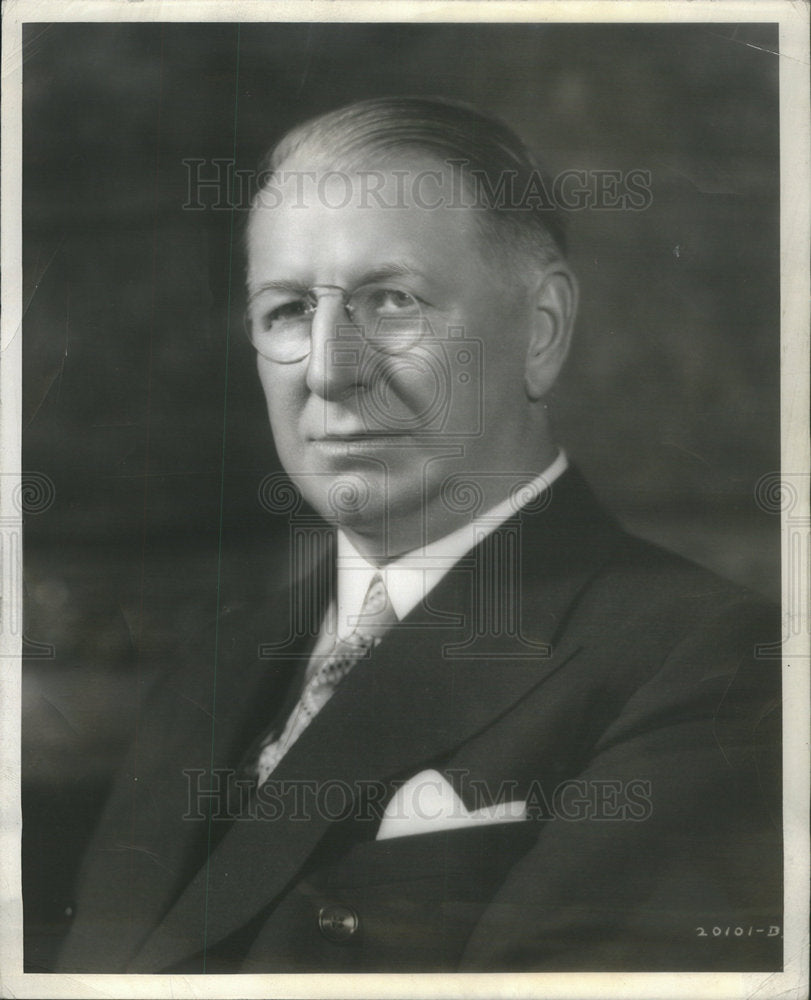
(427, 803)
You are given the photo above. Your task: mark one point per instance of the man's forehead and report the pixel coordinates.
(305, 248)
(380, 212)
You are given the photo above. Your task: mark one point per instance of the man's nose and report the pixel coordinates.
(335, 348)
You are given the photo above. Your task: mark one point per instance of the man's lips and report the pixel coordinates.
(361, 436)
(346, 444)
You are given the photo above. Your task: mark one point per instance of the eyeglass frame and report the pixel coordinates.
(346, 301)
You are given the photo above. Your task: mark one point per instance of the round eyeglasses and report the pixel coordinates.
(279, 322)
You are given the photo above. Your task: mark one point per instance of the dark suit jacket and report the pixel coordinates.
(615, 687)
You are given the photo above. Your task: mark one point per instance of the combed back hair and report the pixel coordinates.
(501, 176)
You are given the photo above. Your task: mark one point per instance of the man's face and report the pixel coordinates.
(370, 428)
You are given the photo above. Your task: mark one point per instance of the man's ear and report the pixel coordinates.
(554, 307)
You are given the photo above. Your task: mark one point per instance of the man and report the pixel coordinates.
(482, 728)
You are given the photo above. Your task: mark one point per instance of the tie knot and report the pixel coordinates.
(377, 612)
(377, 597)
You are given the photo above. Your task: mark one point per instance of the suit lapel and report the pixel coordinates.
(427, 689)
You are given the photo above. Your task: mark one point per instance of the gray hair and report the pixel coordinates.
(506, 180)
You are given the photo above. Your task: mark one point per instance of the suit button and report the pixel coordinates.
(338, 923)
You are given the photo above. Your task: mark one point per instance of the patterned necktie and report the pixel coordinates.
(376, 615)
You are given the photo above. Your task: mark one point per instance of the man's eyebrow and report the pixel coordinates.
(276, 286)
(390, 269)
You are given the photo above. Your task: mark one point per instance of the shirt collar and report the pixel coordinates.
(411, 576)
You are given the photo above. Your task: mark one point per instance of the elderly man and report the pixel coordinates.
(479, 727)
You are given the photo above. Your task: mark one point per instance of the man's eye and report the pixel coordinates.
(287, 312)
(393, 302)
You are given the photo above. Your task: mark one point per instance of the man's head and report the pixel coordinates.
(411, 308)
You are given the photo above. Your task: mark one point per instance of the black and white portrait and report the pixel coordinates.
(402, 504)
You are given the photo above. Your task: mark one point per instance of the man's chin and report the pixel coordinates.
(381, 526)
(347, 500)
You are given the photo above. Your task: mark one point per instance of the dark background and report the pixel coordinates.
(141, 404)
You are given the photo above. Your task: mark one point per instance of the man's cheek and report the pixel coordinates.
(283, 413)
